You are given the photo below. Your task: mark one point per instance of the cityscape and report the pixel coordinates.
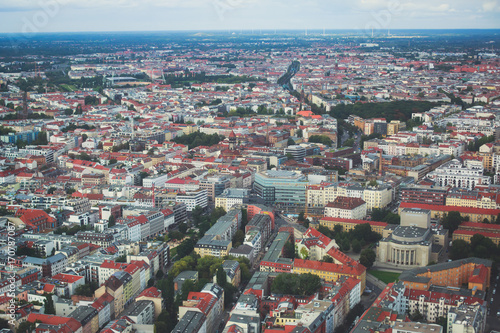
(249, 179)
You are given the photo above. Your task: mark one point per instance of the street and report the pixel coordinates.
(493, 312)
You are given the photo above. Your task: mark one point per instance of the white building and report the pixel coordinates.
(467, 319)
(193, 199)
(346, 208)
(456, 174)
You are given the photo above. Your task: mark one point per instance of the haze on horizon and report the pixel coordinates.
(19, 16)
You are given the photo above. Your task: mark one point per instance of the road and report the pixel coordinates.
(493, 320)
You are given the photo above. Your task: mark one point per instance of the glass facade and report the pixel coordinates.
(281, 187)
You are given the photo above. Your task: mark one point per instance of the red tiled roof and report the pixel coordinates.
(68, 278)
(441, 208)
(329, 267)
(150, 292)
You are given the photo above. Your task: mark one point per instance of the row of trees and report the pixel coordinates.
(321, 139)
(207, 265)
(474, 145)
(296, 284)
(479, 246)
(196, 139)
(385, 215)
(395, 110)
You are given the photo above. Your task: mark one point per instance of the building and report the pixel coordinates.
(330, 272)
(260, 226)
(467, 319)
(34, 219)
(182, 277)
(272, 261)
(232, 197)
(215, 186)
(466, 230)
(191, 322)
(473, 272)
(456, 174)
(346, 208)
(193, 198)
(422, 194)
(233, 272)
(412, 327)
(413, 242)
(314, 245)
(438, 212)
(488, 199)
(281, 188)
(210, 245)
(210, 302)
(349, 224)
(141, 312)
(88, 317)
(297, 152)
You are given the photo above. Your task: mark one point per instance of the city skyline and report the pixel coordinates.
(23, 16)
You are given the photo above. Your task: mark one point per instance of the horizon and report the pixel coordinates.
(61, 16)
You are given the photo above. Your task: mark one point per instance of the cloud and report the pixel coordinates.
(489, 6)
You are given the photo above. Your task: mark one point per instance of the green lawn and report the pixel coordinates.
(386, 277)
(68, 87)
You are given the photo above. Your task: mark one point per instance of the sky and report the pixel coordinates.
(27, 16)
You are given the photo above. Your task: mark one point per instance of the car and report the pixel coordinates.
(492, 301)
(494, 291)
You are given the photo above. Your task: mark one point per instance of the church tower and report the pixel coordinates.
(232, 140)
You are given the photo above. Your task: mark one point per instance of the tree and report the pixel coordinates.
(289, 250)
(299, 133)
(3, 324)
(183, 227)
(51, 190)
(26, 327)
(290, 142)
(221, 277)
(239, 238)
(356, 246)
(452, 220)
(49, 304)
(323, 139)
(367, 258)
(443, 321)
(295, 284)
(301, 218)
(196, 214)
(304, 254)
(327, 258)
(160, 326)
(244, 217)
(122, 258)
(111, 221)
(345, 245)
(349, 143)
(417, 316)
(176, 235)
(207, 266)
(113, 161)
